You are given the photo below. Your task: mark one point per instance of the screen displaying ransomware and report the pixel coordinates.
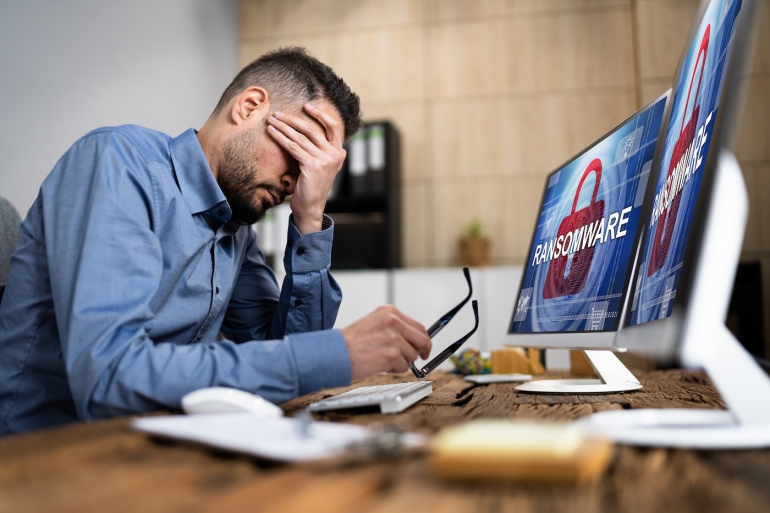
(583, 246)
(687, 141)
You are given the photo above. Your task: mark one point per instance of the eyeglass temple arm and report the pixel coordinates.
(449, 351)
(444, 320)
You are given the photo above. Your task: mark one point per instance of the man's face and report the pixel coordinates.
(245, 178)
(255, 173)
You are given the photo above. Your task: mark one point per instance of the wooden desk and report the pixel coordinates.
(105, 466)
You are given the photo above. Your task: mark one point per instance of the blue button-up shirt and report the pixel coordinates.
(128, 268)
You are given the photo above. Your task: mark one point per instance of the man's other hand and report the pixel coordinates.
(386, 340)
(316, 145)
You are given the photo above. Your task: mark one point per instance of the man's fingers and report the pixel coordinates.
(392, 310)
(294, 149)
(333, 128)
(302, 127)
(416, 337)
(400, 367)
(385, 340)
(408, 351)
(413, 322)
(412, 331)
(423, 344)
(293, 135)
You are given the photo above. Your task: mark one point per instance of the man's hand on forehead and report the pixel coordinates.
(302, 118)
(314, 139)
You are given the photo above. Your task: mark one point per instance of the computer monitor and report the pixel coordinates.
(574, 288)
(685, 175)
(585, 238)
(692, 246)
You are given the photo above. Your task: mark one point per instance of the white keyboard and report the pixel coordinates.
(390, 398)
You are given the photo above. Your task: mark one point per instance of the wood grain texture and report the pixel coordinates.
(105, 465)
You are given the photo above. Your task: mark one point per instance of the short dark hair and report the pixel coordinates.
(292, 76)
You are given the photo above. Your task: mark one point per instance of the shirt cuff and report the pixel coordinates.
(322, 360)
(312, 251)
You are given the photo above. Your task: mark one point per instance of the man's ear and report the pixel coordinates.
(253, 104)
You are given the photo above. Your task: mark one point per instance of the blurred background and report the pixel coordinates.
(486, 96)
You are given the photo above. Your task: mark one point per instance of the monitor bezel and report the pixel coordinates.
(603, 339)
(660, 339)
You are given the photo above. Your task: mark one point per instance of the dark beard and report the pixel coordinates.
(239, 178)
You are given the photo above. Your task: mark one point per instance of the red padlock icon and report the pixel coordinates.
(667, 220)
(556, 283)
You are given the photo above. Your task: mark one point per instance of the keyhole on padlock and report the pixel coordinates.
(567, 267)
(664, 229)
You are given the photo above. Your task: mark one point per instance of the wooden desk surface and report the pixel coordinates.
(105, 466)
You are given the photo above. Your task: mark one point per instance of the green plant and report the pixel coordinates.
(474, 229)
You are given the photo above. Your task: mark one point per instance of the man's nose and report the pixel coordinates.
(289, 182)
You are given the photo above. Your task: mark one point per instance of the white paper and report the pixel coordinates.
(276, 439)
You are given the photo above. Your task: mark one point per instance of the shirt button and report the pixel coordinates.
(297, 302)
(217, 290)
(301, 251)
(220, 212)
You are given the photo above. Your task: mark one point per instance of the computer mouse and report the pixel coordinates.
(228, 400)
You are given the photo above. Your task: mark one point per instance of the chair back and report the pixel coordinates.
(9, 236)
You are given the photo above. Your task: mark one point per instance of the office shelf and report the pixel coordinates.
(365, 202)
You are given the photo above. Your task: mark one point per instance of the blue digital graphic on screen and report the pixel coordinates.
(687, 143)
(584, 241)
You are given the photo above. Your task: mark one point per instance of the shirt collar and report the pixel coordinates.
(193, 173)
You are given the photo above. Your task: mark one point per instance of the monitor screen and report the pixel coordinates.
(687, 142)
(584, 243)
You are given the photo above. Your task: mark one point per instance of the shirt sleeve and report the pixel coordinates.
(308, 301)
(308, 304)
(106, 267)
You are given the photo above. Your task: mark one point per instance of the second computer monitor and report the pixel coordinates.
(576, 276)
(672, 231)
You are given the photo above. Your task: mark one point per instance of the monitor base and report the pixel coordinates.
(707, 343)
(711, 437)
(576, 386)
(677, 428)
(614, 377)
(744, 387)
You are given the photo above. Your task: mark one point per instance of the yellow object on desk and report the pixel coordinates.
(518, 451)
(511, 360)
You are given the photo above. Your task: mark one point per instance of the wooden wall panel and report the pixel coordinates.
(490, 95)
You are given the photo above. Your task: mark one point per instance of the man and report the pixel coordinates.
(138, 254)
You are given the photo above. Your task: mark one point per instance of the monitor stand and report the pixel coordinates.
(708, 344)
(614, 377)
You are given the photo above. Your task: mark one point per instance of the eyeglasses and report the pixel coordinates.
(439, 325)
